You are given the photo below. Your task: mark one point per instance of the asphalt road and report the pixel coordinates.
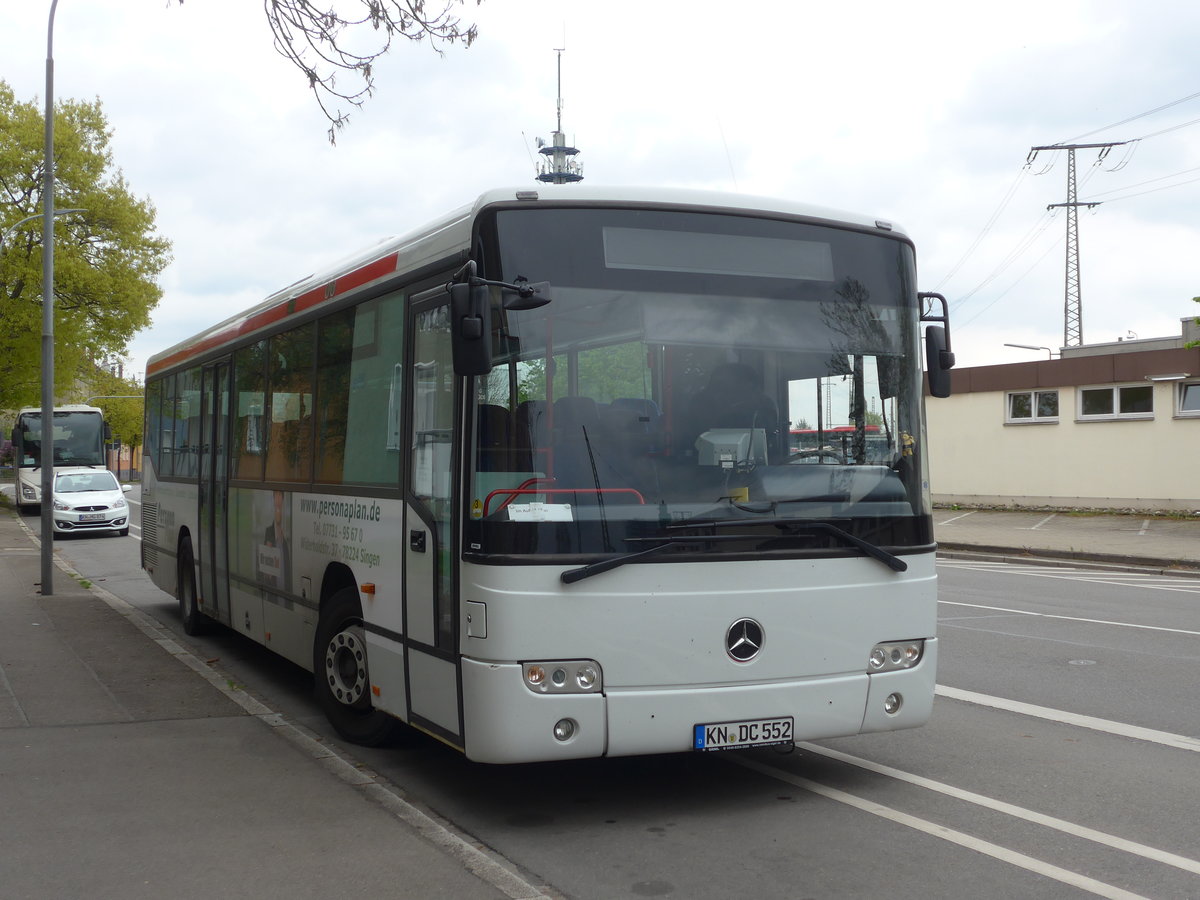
(1063, 760)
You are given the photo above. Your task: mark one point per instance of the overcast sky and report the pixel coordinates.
(922, 113)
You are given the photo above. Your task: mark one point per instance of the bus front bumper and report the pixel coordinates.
(505, 722)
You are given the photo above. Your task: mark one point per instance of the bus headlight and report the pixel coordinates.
(586, 676)
(893, 655)
(575, 676)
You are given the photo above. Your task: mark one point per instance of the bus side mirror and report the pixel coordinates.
(471, 328)
(939, 361)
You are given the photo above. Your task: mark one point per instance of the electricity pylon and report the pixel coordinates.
(1073, 299)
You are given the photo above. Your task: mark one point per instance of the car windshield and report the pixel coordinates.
(698, 368)
(85, 481)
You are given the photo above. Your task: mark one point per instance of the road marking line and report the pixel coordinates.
(1012, 857)
(1026, 612)
(1039, 524)
(954, 519)
(1081, 831)
(1145, 527)
(1108, 726)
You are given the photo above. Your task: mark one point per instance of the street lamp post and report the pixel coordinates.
(48, 322)
(12, 229)
(1049, 352)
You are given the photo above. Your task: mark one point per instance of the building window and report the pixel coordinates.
(1134, 401)
(1189, 399)
(1032, 406)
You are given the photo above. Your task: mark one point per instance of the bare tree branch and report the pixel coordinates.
(348, 37)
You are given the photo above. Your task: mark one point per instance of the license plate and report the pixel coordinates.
(91, 517)
(748, 733)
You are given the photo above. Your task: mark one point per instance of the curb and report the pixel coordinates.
(1142, 565)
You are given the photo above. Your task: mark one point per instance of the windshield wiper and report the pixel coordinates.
(798, 526)
(573, 575)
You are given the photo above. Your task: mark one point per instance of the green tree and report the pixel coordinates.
(122, 400)
(106, 259)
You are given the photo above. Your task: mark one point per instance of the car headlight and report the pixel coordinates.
(119, 503)
(58, 504)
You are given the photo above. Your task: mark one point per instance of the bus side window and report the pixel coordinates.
(335, 345)
(361, 400)
(289, 446)
(249, 380)
(169, 415)
(187, 424)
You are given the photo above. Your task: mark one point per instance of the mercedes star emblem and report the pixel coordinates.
(743, 640)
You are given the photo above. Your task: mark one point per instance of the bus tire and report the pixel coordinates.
(194, 621)
(341, 680)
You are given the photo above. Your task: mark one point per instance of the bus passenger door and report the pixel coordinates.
(432, 501)
(214, 492)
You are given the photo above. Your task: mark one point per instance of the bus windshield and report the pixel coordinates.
(78, 438)
(666, 386)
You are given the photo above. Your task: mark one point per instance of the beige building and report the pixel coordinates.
(1107, 426)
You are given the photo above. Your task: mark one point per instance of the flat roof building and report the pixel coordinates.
(1103, 426)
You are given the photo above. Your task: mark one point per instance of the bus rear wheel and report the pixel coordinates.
(194, 621)
(340, 674)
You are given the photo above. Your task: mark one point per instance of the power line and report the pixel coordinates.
(1166, 130)
(987, 227)
(1151, 181)
(1140, 115)
(1022, 246)
(1165, 187)
(998, 297)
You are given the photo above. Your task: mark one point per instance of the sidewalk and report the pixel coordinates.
(1156, 544)
(129, 769)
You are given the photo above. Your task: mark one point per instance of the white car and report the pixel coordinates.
(89, 500)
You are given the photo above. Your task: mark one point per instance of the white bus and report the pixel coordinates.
(521, 479)
(79, 437)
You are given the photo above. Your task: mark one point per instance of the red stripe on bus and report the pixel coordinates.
(363, 275)
(368, 273)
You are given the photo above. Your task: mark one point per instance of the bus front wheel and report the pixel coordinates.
(341, 677)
